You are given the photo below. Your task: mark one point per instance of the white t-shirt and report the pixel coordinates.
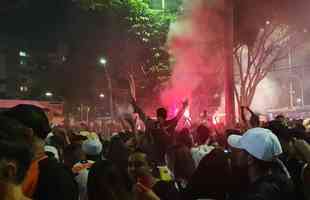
(82, 170)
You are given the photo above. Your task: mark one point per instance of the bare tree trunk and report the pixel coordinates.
(229, 69)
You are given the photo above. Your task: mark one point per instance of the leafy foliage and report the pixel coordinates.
(144, 24)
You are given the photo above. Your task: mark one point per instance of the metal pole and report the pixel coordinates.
(87, 115)
(302, 87)
(291, 79)
(81, 112)
(111, 93)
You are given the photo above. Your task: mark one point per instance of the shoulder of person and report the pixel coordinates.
(60, 180)
(273, 187)
(165, 186)
(166, 190)
(53, 169)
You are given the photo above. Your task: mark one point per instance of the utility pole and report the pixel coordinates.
(302, 87)
(82, 108)
(111, 92)
(291, 78)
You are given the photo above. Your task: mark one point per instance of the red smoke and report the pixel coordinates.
(196, 43)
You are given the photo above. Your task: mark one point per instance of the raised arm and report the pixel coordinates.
(252, 113)
(179, 115)
(139, 111)
(133, 101)
(243, 118)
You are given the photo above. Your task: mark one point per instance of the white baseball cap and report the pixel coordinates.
(258, 142)
(92, 147)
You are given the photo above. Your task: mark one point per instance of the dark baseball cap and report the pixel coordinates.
(31, 116)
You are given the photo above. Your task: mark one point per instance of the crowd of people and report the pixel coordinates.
(267, 161)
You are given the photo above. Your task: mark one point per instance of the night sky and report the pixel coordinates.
(40, 22)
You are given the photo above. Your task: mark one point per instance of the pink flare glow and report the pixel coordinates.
(187, 114)
(198, 53)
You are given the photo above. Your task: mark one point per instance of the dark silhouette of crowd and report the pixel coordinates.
(257, 161)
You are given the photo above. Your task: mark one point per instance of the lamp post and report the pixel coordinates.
(104, 62)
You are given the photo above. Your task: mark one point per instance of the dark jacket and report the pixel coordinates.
(55, 182)
(271, 187)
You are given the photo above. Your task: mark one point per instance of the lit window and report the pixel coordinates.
(23, 88)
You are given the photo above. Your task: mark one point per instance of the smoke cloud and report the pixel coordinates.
(196, 44)
(267, 95)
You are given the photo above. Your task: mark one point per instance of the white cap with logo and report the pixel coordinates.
(259, 142)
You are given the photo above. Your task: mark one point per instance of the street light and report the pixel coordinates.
(103, 61)
(101, 95)
(48, 94)
(299, 100)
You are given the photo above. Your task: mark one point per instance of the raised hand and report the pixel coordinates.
(132, 88)
(185, 103)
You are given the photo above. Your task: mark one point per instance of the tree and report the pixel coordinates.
(253, 62)
(142, 25)
(143, 34)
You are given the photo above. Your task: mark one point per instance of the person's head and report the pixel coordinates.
(106, 181)
(255, 149)
(57, 142)
(214, 175)
(15, 159)
(203, 134)
(31, 116)
(11, 129)
(92, 148)
(280, 118)
(35, 118)
(283, 133)
(180, 161)
(118, 152)
(306, 124)
(62, 133)
(15, 151)
(78, 139)
(184, 138)
(139, 165)
(73, 153)
(129, 140)
(161, 114)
